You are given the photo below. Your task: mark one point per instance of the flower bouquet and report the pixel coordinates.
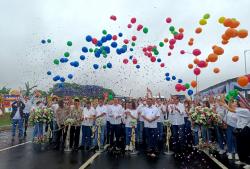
(41, 140)
(47, 115)
(36, 116)
(133, 122)
(167, 123)
(198, 116)
(100, 121)
(69, 121)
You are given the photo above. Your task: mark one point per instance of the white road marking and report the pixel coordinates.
(4, 149)
(215, 160)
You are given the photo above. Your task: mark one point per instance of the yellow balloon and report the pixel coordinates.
(221, 19)
(203, 22)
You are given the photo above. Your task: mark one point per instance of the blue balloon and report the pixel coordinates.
(84, 49)
(104, 39)
(43, 41)
(118, 51)
(96, 66)
(61, 85)
(49, 73)
(131, 49)
(138, 66)
(56, 78)
(109, 37)
(76, 64)
(107, 49)
(113, 44)
(173, 78)
(88, 38)
(167, 74)
(109, 65)
(190, 92)
(70, 76)
(159, 60)
(98, 53)
(120, 34)
(62, 60)
(130, 57)
(62, 79)
(179, 81)
(99, 43)
(82, 57)
(168, 78)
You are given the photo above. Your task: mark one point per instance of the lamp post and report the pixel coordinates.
(245, 59)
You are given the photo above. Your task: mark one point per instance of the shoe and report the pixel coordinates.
(222, 152)
(230, 156)
(239, 163)
(127, 147)
(236, 156)
(130, 148)
(25, 134)
(246, 167)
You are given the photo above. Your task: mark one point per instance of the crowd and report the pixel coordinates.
(143, 122)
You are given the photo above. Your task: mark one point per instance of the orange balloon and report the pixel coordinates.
(212, 57)
(191, 39)
(242, 81)
(235, 58)
(166, 40)
(218, 50)
(193, 83)
(242, 33)
(198, 30)
(225, 37)
(181, 30)
(224, 42)
(190, 66)
(207, 60)
(216, 70)
(196, 61)
(231, 32)
(235, 24)
(190, 43)
(228, 22)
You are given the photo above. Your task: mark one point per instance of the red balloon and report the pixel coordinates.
(133, 20)
(172, 41)
(134, 61)
(94, 41)
(168, 20)
(196, 52)
(144, 49)
(153, 59)
(125, 61)
(197, 71)
(114, 37)
(171, 47)
(150, 55)
(134, 38)
(169, 53)
(125, 41)
(162, 64)
(182, 52)
(139, 27)
(178, 87)
(129, 26)
(150, 48)
(179, 36)
(113, 17)
(202, 64)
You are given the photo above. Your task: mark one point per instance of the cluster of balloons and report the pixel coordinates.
(232, 94)
(44, 41)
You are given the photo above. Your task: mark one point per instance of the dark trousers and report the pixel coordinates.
(151, 138)
(188, 138)
(86, 135)
(61, 136)
(177, 138)
(108, 132)
(115, 130)
(243, 148)
(26, 122)
(74, 136)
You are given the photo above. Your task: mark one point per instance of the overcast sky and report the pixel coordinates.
(25, 23)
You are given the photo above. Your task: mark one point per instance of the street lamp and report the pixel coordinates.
(245, 59)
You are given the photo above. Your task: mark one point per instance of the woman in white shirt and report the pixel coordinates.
(131, 116)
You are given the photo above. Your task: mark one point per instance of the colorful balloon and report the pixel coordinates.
(197, 71)
(133, 20)
(242, 33)
(49, 73)
(190, 92)
(203, 22)
(216, 70)
(69, 43)
(145, 30)
(168, 20)
(56, 62)
(70, 76)
(235, 58)
(193, 83)
(243, 81)
(66, 54)
(196, 52)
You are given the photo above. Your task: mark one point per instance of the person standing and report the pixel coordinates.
(17, 116)
(108, 118)
(176, 117)
(150, 115)
(54, 126)
(88, 116)
(76, 114)
(140, 123)
(28, 106)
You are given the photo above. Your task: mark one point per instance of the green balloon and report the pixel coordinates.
(206, 16)
(104, 52)
(69, 43)
(175, 33)
(228, 98)
(104, 32)
(90, 50)
(187, 85)
(110, 97)
(56, 62)
(145, 30)
(105, 55)
(104, 66)
(133, 43)
(49, 41)
(171, 28)
(66, 54)
(161, 44)
(95, 50)
(156, 52)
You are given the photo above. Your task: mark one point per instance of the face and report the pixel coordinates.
(116, 101)
(100, 102)
(175, 100)
(128, 105)
(149, 102)
(77, 103)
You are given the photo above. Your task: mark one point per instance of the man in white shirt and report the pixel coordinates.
(115, 121)
(140, 123)
(26, 111)
(101, 111)
(108, 125)
(88, 116)
(161, 108)
(54, 126)
(176, 117)
(150, 116)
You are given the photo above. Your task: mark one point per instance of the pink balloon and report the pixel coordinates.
(125, 61)
(196, 52)
(125, 41)
(171, 47)
(139, 27)
(113, 17)
(178, 87)
(169, 53)
(144, 49)
(114, 37)
(129, 26)
(150, 48)
(168, 20)
(150, 55)
(153, 59)
(202, 64)
(134, 61)
(179, 36)
(134, 38)
(172, 41)
(197, 71)
(182, 52)
(133, 20)
(162, 64)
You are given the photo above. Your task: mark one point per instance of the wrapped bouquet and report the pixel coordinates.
(36, 116)
(133, 122)
(69, 121)
(47, 115)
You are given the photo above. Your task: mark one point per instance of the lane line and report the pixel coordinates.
(215, 160)
(92, 158)
(4, 149)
